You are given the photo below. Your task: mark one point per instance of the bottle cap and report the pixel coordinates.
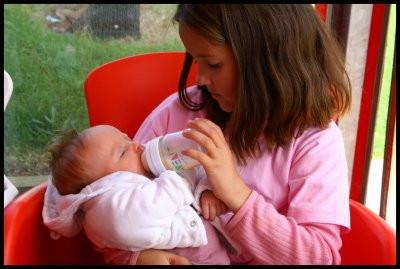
(153, 157)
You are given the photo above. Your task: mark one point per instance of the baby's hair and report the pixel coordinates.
(65, 163)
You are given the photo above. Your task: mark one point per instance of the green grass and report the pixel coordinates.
(48, 71)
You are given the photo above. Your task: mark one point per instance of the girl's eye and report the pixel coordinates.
(123, 153)
(214, 66)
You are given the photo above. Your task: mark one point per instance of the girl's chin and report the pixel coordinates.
(225, 108)
(223, 105)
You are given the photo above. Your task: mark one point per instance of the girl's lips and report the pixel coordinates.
(215, 95)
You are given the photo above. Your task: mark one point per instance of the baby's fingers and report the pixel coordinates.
(205, 210)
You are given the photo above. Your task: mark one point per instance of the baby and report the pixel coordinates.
(98, 181)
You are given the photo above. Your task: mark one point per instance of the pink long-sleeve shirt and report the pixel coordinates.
(299, 203)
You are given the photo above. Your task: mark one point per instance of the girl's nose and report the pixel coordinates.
(202, 77)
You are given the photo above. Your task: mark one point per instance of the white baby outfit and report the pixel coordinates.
(128, 211)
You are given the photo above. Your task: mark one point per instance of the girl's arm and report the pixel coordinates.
(267, 237)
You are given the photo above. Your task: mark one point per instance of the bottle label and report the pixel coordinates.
(175, 160)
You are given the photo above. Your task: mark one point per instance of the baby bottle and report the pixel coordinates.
(165, 153)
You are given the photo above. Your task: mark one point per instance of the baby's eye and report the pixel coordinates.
(123, 153)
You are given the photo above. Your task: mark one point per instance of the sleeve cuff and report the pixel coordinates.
(236, 218)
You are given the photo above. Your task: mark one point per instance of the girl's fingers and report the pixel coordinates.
(203, 158)
(208, 128)
(206, 142)
(208, 135)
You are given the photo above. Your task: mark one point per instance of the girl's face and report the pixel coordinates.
(216, 66)
(108, 150)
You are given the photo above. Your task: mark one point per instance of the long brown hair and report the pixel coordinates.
(291, 69)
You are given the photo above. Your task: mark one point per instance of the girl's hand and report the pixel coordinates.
(160, 257)
(219, 166)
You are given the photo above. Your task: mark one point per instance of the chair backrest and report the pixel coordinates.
(123, 92)
(371, 240)
(28, 241)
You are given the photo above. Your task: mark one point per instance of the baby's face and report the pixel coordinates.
(108, 150)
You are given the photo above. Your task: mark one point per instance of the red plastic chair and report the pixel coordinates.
(120, 93)
(371, 240)
(123, 92)
(27, 240)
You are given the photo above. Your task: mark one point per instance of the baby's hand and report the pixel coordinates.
(211, 206)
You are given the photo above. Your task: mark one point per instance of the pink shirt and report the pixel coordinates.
(299, 204)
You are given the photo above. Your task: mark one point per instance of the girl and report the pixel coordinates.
(270, 79)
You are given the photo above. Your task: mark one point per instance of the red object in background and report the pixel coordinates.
(123, 92)
(371, 240)
(368, 105)
(322, 10)
(27, 241)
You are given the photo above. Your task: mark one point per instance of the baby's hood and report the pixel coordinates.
(62, 214)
